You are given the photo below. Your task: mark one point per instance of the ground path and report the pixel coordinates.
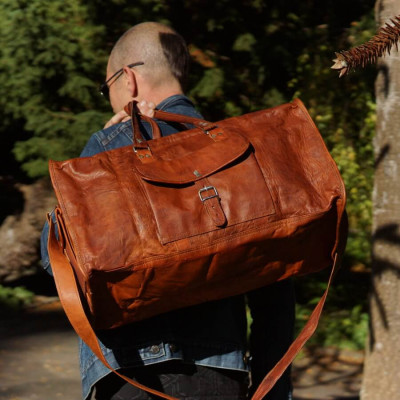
(38, 360)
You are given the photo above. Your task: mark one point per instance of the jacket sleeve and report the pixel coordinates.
(43, 246)
(93, 146)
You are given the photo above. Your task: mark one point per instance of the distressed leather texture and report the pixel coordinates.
(200, 215)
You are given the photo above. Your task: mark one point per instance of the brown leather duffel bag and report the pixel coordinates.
(200, 215)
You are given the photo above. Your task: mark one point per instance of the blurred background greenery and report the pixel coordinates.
(247, 55)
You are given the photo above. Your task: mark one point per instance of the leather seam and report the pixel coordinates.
(287, 221)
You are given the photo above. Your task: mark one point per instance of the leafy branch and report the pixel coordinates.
(369, 52)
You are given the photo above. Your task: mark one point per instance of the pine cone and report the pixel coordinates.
(369, 52)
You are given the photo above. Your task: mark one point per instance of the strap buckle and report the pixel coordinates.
(206, 189)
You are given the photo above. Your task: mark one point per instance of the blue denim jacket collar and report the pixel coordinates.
(175, 100)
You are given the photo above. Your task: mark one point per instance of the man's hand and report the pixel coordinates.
(121, 116)
(145, 108)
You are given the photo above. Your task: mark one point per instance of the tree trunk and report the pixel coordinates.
(381, 372)
(20, 230)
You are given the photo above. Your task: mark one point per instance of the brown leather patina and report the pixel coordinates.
(200, 215)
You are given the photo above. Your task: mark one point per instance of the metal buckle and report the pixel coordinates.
(209, 126)
(134, 149)
(141, 156)
(205, 189)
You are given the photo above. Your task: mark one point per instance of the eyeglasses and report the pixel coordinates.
(104, 88)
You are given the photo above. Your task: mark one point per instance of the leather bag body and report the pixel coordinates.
(200, 215)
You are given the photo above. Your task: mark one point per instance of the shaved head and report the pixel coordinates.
(163, 51)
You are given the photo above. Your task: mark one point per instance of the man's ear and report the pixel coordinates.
(131, 81)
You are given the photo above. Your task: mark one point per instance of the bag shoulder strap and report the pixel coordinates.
(308, 330)
(71, 301)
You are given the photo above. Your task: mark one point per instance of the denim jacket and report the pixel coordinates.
(210, 334)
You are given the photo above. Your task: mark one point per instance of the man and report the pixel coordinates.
(197, 352)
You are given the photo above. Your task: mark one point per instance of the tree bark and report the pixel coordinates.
(381, 378)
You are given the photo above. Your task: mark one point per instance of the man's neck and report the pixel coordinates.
(157, 95)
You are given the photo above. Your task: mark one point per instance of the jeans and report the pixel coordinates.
(177, 379)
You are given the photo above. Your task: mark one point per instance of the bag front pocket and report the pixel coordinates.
(235, 194)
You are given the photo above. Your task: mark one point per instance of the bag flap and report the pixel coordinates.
(194, 165)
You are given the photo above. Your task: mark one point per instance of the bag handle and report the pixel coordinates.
(71, 301)
(184, 119)
(138, 140)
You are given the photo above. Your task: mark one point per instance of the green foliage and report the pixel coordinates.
(50, 57)
(344, 329)
(345, 115)
(14, 298)
(210, 84)
(344, 322)
(244, 42)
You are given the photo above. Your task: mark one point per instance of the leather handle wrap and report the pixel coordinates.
(138, 140)
(70, 299)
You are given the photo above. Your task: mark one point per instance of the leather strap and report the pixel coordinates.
(140, 145)
(71, 301)
(308, 330)
(131, 109)
(212, 203)
(184, 119)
